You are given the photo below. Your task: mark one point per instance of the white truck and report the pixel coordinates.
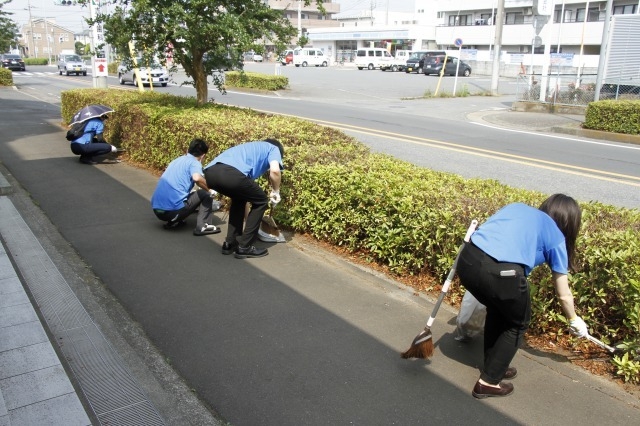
(71, 63)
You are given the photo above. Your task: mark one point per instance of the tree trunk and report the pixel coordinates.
(200, 80)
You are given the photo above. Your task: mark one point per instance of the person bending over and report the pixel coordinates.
(233, 173)
(494, 267)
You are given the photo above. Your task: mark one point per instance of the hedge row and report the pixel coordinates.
(253, 80)
(614, 116)
(6, 77)
(407, 219)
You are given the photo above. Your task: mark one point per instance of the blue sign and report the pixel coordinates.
(458, 42)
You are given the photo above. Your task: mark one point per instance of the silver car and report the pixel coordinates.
(156, 74)
(71, 64)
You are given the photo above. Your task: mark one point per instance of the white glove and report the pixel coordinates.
(274, 197)
(213, 193)
(578, 327)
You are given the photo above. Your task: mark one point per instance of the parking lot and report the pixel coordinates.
(346, 82)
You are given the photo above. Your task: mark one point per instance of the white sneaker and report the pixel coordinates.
(207, 230)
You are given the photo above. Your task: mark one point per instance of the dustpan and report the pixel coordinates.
(269, 231)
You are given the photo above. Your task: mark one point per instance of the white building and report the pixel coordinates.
(572, 32)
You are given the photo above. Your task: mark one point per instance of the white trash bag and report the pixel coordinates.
(470, 320)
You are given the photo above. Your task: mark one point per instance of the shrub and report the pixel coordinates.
(36, 61)
(6, 77)
(408, 219)
(613, 116)
(254, 80)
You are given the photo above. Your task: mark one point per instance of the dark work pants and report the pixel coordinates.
(504, 290)
(195, 199)
(231, 182)
(89, 150)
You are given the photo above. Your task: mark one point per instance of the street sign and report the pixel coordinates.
(101, 68)
(543, 7)
(458, 42)
(537, 41)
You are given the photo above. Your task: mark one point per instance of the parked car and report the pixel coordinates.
(286, 57)
(13, 62)
(71, 64)
(257, 57)
(309, 56)
(415, 63)
(156, 74)
(434, 64)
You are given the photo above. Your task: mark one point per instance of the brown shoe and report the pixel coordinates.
(481, 391)
(511, 373)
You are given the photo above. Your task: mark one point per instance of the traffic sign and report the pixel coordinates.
(458, 42)
(101, 68)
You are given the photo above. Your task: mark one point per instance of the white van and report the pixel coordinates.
(373, 57)
(309, 56)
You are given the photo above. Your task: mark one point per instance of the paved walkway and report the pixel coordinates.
(310, 335)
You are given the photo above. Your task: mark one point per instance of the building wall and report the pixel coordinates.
(49, 39)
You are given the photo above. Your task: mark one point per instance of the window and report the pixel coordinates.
(628, 9)
(514, 18)
(379, 53)
(594, 15)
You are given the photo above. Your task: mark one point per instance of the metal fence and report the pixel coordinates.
(571, 89)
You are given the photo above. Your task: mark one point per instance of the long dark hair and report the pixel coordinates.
(566, 213)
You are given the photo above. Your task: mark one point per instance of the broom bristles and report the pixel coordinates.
(268, 228)
(421, 347)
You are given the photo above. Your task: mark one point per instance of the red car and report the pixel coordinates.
(287, 57)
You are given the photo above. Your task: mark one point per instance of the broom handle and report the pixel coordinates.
(600, 343)
(452, 273)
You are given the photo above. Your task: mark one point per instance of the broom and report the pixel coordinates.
(422, 345)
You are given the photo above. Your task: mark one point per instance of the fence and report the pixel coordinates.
(569, 89)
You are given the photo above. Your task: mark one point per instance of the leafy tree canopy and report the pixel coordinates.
(200, 35)
(8, 29)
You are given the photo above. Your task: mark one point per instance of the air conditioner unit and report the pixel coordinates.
(527, 11)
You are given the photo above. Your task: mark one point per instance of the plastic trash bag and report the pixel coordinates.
(470, 320)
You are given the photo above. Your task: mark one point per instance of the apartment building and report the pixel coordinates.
(43, 38)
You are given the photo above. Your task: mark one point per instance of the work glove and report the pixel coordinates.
(274, 197)
(578, 327)
(213, 193)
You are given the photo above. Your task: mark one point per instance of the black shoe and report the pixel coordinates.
(482, 391)
(251, 251)
(229, 248)
(511, 373)
(206, 230)
(174, 224)
(87, 161)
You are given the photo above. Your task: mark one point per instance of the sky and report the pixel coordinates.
(71, 17)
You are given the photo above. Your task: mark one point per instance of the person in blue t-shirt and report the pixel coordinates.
(233, 173)
(173, 200)
(92, 144)
(494, 267)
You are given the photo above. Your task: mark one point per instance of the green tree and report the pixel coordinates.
(200, 35)
(8, 29)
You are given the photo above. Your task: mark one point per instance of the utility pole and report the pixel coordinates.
(33, 40)
(604, 46)
(499, 23)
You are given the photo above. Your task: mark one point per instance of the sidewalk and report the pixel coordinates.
(298, 337)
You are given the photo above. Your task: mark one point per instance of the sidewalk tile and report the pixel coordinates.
(63, 410)
(24, 334)
(27, 359)
(36, 386)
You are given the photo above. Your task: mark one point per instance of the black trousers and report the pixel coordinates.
(231, 182)
(90, 150)
(503, 288)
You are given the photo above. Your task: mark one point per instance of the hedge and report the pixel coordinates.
(407, 219)
(613, 116)
(6, 77)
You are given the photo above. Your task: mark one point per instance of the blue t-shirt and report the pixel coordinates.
(94, 127)
(522, 234)
(251, 158)
(176, 183)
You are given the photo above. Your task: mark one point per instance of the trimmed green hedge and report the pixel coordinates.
(36, 61)
(408, 219)
(254, 80)
(6, 77)
(613, 116)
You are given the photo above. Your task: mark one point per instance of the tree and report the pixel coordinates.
(200, 35)
(8, 29)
